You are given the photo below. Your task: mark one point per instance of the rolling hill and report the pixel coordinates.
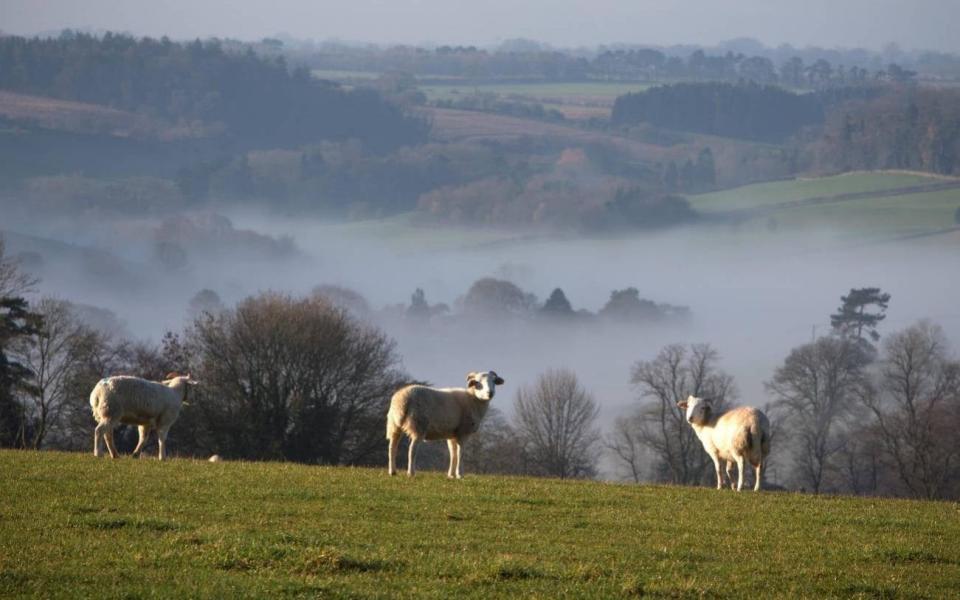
(877, 204)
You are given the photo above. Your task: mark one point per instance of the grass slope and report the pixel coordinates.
(73, 526)
(776, 192)
(857, 206)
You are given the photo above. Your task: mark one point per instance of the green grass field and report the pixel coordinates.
(775, 192)
(75, 526)
(761, 209)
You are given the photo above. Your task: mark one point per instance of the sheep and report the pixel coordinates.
(426, 413)
(732, 436)
(134, 401)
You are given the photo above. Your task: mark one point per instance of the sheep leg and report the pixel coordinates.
(144, 432)
(739, 473)
(729, 470)
(452, 448)
(458, 446)
(392, 445)
(716, 467)
(453, 445)
(162, 443)
(108, 438)
(97, 434)
(411, 454)
(757, 473)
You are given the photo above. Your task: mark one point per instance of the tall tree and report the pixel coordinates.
(13, 280)
(17, 324)
(557, 305)
(854, 320)
(677, 372)
(298, 379)
(627, 447)
(916, 402)
(54, 355)
(556, 419)
(816, 387)
(418, 309)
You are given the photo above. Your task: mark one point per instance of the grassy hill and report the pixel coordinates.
(880, 204)
(71, 525)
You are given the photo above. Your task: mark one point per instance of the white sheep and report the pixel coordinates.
(134, 401)
(731, 436)
(426, 413)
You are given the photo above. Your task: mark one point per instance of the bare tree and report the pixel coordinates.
(626, 445)
(54, 355)
(496, 447)
(674, 374)
(916, 402)
(13, 281)
(556, 420)
(816, 387)
(298, 379)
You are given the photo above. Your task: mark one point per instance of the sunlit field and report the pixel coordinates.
(72, 525)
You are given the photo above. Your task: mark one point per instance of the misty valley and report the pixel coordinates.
(306, 227)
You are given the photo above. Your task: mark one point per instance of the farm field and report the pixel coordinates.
(855, 206)
(451, 125)
(776, 192)
(81, 117)
(72, 525)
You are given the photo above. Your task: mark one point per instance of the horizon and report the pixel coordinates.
(922, 26)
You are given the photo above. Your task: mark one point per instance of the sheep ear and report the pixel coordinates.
(682, 404)
(498, 380)
(470, 377)
(472, 383)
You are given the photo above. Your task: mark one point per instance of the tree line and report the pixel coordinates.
(532, 61)
(746, 110)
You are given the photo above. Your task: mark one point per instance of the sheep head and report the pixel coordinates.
(176, 379)
(698, 410)
(484, 385)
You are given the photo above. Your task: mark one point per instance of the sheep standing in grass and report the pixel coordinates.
(732, 436)
(134, 401)
(426, 413)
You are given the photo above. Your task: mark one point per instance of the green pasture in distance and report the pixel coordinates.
(885, 215)
(763, 194)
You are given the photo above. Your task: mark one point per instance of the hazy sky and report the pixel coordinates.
(924, 24)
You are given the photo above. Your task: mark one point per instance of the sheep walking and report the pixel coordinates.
(134, 401)
(733, 436)
(426, 413)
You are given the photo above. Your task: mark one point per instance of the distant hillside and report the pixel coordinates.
(72, 525)
(255, 99)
